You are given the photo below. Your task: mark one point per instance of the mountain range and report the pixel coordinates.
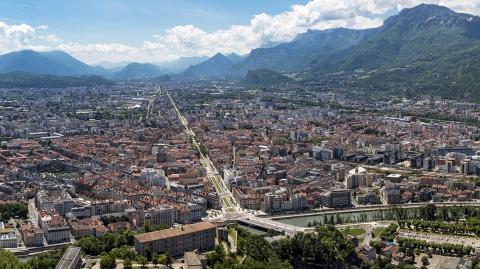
(302, 51)
(428, 47)
(59, 63)
(182, 63)
(52, 63)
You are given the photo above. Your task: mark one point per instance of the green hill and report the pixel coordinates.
(26, 80)
(264, 77)
(428, 48)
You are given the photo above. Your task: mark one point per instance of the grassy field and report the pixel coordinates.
(215, 184)
(378, 231)
(226, 202)
(354, 231)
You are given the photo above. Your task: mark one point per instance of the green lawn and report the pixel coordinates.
(354, 231)
(378, 231)
(226, 202)
(215, 184)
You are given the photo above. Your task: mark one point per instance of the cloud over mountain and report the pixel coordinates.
(190, 40)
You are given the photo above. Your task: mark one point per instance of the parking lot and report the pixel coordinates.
(442, 238)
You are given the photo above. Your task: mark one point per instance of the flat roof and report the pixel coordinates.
(173, 232)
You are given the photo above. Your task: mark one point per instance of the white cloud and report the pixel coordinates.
(93, 53)
(42, 27)
(51, 38)
(15, 36)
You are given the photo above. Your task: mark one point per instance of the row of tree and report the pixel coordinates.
(427, 212)
(460, 228)
(437, 248)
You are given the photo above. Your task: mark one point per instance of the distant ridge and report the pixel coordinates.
(179, 65)
(427, 48)
(215, 66)
(27, 80)
(302, 52)
(53, 63)
(139, 71)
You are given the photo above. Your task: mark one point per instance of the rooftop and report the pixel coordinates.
(183, 230)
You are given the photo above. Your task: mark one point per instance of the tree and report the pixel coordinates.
(143, 261)
(107, 262)
(216, 257)
(146, 227)
(123, 253)
(148, 253)
(425, 261)
(96, 245)
(8, 260)
(326, 246)
(155, 259)
(127, 264)
(10, 210)
(429, 211)
(162, 259)
(168, 259)
(49, 260)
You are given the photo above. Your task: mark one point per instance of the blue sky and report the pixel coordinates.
(161, 30)
(130, 22)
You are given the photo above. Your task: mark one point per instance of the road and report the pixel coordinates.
(32, 212)
(151, 102)
(229, 204)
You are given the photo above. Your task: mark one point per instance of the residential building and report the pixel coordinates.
(54, 227)
(161, 215)
(8, 237)
(32, 236)
(54, 197)
(176, 241)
